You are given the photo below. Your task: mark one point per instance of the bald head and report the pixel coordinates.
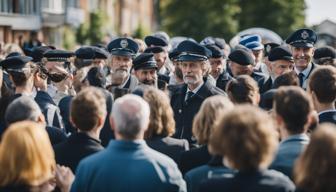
(130, 115)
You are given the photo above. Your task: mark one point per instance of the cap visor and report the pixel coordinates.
(190, 58)
(122, 53)
(302, 44)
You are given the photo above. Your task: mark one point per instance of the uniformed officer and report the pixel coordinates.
(241, 63)
(145, 69)
(218, 67)
(159, 46)
(302, 45)
(267, 49)
(122, 51)
(325, 56)
(58, 64)
(187, 99)
(253, 42)
(176, 77)
(281, 61)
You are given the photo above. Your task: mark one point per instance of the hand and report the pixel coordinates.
(64, 178)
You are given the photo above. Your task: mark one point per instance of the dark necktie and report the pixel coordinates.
(301, 78)
(189, 96)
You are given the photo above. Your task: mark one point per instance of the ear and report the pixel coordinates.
(257, 99)
(72, 123)
(40, 118)
(112, 123)
(101, 121)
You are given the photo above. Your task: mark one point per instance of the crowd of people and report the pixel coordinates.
(146, 115)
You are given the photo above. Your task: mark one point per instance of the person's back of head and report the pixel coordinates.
(88, 109)
(212, 109)
(23, 108)
(31, 160)
(130, 117)
(243, 89)
(252, 130)
(162, 121)
(315, 168)
(286, 79)
(294, 106)
(322, 84)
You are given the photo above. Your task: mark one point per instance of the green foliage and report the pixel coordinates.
(140, 32)
(281, 16)
(200, 18)
(224, 18)
(69, 38)
(92, 32)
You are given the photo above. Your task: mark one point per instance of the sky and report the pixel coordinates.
(319, 10)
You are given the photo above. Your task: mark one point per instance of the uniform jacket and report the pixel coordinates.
(328, 117)
(194, 158)
(289, 150)
(184, 112)
(128, 166)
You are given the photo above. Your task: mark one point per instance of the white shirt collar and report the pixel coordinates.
(196, 89)
(326, 111)
(305, 72)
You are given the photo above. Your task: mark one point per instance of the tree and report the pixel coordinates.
(199, 18)
(280, 16)
(95, 32)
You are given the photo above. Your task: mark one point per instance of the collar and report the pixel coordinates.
(301, 137)
(306, 71)
(123, 84)
(326, 111)
(196, 89)
(125, 144)
(83, 135)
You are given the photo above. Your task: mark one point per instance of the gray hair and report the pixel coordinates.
(131, 115)
(22, 108)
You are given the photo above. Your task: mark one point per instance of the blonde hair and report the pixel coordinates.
(315, 168)
(246, 137)
(211, 110)
(161, 121)
(26, 155)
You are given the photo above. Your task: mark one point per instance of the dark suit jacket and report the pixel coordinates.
(265, 85)
(75, 148)
(56, 135)
(194, 158)
(64, 106)
(257, 76)
(250, 181)
(169, 146)
(222, 80)
(328, 117)
(184, 112)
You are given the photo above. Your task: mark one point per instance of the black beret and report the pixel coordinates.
(96, 77)
(302, 38)
(192, 51)
(15, 63)
(144, 61)
(325, 52)
(173, 54)
(241, 57)
(155, 49)
(268, 47)
(37, 52)
(280, 53)
(58, 55)
(155, 41)
(91, 52)
(216, 52)
(123, 47)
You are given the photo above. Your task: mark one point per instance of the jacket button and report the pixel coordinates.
(180, 110)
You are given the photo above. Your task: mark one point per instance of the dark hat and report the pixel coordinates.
(302, 38)
(123, 46)
(325, 52)
(241, 57)
(58, 55)
(155, 41)
(96, 77)
(155, 49)
(173, 54)
(13, 54)
(91, 52)
(192, 51)
(216, 52)
(15, 63)
(268, 47)
(208, 41)
(144, 61)
(280, 53)
(37, 52)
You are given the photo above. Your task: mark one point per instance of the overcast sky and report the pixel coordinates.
(319, 10)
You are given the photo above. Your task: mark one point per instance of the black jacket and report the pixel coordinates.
(75, 148)
(250, 181)
(184, 112)
(194, 158)
(222, 80)
(328, 117)
(169, 146)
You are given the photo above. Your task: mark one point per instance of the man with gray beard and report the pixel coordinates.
(122, 50)
(187, 99)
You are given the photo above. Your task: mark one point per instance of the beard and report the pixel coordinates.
(190, 80)
(148, 82)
